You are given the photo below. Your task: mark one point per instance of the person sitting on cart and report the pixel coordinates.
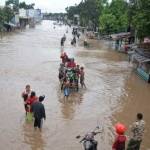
(71, 63)
(33, 98)
(72, 77)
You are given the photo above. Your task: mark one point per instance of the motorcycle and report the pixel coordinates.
(88, 141)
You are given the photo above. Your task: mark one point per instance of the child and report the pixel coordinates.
(66, 89)
(27, 91)
(120, 139)
(82, 77)
(33, 98)
(25, 97)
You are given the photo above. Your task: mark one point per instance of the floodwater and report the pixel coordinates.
(114, 92)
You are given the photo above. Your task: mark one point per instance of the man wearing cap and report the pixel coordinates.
(38, 112)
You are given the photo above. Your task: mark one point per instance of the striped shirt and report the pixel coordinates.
(138, 130)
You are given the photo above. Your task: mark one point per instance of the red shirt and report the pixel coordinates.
(31, 100)
(71, 65)
(64, 58)
(119, 143)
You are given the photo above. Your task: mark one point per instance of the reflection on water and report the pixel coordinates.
(68, 106)
(33, 57)
(136, 99)
(33, 138)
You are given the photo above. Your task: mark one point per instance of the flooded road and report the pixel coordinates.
(114, 92)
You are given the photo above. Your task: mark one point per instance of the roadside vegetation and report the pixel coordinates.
(113, 17)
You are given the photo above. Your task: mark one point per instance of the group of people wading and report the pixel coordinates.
(70, 74)
(75, 34)
(33, 107)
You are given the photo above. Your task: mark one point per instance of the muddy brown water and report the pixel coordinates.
(114, 92)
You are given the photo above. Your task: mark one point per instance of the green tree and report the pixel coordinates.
(8, 14)
(8, 2)
(88, 10)
(139, 16)
(1, 18)
(25, 6)
(14, 3)
(114, 17)
(107, 23)
(71, 11)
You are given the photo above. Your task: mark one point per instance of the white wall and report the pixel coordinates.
(30, 13)
(22, 13)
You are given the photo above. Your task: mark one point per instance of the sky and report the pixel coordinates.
(50, 5)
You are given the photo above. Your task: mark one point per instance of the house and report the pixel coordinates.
(23, 18)
(30, 16)
(123, 41)
(141, 61)
(15, 20)
(38, 15)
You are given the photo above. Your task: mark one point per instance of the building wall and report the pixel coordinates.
(22, 13)
(38, 15)
(30, 13)
(15, 20)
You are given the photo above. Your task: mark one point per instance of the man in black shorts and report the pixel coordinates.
(38, 112)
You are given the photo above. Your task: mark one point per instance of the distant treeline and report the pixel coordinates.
(115, 16)
(55, 16)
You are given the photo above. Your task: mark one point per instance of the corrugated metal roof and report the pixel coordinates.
(140, 58)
